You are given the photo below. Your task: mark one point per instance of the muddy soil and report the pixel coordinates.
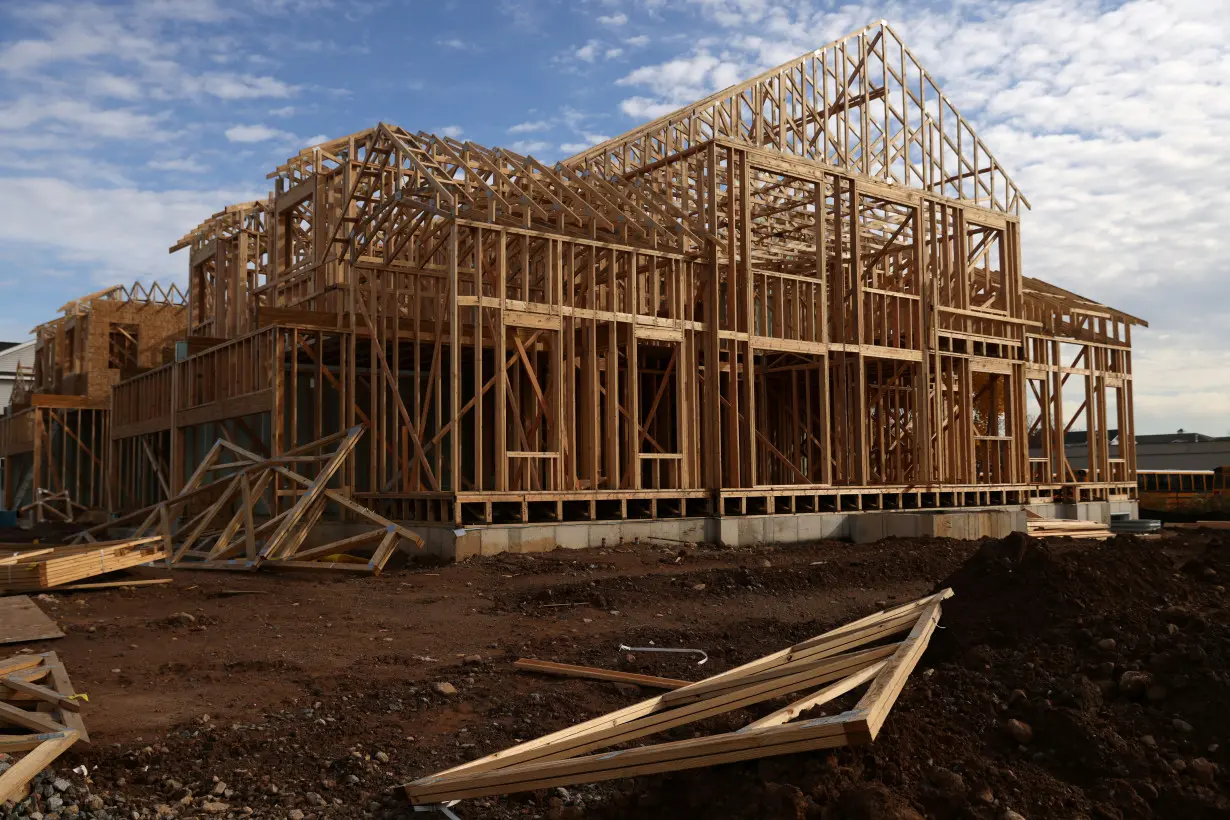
(233, 695)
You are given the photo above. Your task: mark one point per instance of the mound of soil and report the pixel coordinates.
(1083, 680)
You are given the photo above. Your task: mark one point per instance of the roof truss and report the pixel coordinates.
(863, 653)
(862, 103)
(392, 184)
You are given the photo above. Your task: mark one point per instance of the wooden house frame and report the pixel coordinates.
(803, 293)
(55, 434)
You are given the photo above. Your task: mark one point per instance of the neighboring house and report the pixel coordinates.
(1162, 451)
(13, 355)
(1185, 451)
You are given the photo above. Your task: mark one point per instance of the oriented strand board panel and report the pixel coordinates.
(21, 620)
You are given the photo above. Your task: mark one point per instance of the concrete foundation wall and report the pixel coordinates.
(860, 527)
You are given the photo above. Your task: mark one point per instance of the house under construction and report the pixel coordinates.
(54, 436)
(803, 294)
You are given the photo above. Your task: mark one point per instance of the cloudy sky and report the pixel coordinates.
(122, 125)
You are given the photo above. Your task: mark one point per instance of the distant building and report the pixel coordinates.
(1161, 451)
(12, 356)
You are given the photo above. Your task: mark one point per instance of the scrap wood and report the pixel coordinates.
(569, 670)
(861, 653)
(226, 535)
(39, 715)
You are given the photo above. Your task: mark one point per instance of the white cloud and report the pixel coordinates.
(588, 140)
(617, 19)
(637, 41)
(253, 133)
(454, 131)
(189, 165)
(102, 84)
(529, 146)
(284, 111)
(316, 140)
(643, 108)
(456, 43)
(1108, 116)
(236, 86)
(88, 34)
(587, 52)
(685, 79)
(119, 233)
(530, 127)
(592, 49)
(114, 123)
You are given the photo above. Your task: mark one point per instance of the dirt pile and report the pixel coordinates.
(1082, 680)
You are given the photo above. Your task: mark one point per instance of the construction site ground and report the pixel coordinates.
(279, 696)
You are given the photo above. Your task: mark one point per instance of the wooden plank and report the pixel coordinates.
(283, 542)
(62, 402)
(828, 693)
(572, 671)
(21, 620)
(260, 401)
(883, 692)
(131, 582)
(342, 546)
(35, 721)
(10, 665)
(21, 772)
(61, 682)
(17, 683)
(319, 566)
(663, 757)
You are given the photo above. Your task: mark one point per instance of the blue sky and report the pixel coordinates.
(124, 124)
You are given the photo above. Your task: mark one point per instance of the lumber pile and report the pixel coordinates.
(39, 716)
(1061, 528)
(236, 485)
(32, 567)
(868, 652)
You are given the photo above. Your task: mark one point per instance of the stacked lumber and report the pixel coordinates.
(39, 715)
(868, 652)
(1062, 528)
(226, 533)
(31, 567)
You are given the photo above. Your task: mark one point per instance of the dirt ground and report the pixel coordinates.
(276, 696)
